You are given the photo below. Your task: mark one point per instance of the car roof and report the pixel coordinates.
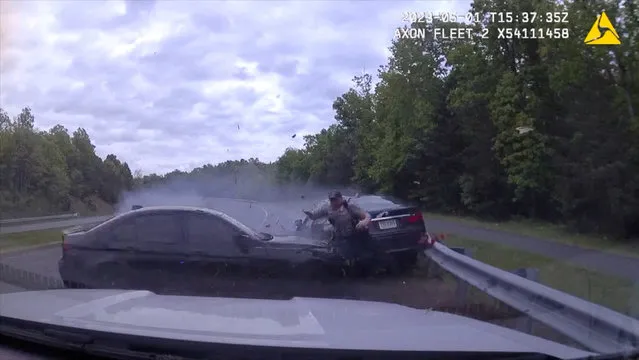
(175, 208)
(193, 209)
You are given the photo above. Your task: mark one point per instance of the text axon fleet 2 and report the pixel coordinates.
(439, 33)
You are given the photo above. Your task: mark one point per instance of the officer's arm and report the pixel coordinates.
(361, 214)
(319, 213)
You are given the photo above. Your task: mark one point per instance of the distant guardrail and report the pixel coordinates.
(595, 327)
(36, 219)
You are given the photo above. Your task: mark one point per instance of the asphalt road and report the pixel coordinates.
(277, 218)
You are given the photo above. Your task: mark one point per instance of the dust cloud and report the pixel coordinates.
(246, 184)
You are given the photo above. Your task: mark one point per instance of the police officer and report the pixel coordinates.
(351, 226)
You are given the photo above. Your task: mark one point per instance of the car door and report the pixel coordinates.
(110, 264)
(159, 255)
(212, 246)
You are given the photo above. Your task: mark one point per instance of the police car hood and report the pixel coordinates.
(298, 322)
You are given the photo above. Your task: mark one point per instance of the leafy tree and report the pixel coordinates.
(42, 172)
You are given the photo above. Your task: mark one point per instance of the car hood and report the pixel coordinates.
(297, 240)
(298, 322)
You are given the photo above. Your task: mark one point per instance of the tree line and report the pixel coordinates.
(44, 172)
(538, 128)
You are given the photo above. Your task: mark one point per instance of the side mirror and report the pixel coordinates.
(242, 242)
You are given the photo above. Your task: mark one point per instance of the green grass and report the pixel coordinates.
(37, 221)
(27, 239)
(550, 232)
(610, 291)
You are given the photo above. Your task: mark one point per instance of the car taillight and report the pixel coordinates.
(415, 218)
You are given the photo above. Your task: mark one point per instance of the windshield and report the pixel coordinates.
(485, 154)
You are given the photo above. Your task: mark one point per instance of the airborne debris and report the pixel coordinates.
(294, 135)
(524, 129)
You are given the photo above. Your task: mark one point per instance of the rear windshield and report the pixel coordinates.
(374, 202)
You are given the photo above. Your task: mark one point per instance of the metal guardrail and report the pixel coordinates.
(593, 326)
(36, 219)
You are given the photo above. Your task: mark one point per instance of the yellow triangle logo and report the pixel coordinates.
(602, 32)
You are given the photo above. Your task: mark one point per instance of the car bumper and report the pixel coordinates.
(399, 242)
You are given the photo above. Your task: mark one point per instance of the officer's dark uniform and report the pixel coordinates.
(351, 243)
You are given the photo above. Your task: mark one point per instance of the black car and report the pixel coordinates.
(397, 227)
(155, 245)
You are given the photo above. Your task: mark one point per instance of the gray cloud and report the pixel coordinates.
(169, 84)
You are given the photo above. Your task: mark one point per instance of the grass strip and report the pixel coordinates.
(27, 239)
(615, 293)
(550, 232)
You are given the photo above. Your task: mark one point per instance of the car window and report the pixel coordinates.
(120, 233)
(209, 231)
(159, 229)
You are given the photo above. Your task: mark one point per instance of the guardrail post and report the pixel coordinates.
(525, 323)
(461, 293)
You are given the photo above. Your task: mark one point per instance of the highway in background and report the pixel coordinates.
(51, 224)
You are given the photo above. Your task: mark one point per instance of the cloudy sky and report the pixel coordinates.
(176, 84)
